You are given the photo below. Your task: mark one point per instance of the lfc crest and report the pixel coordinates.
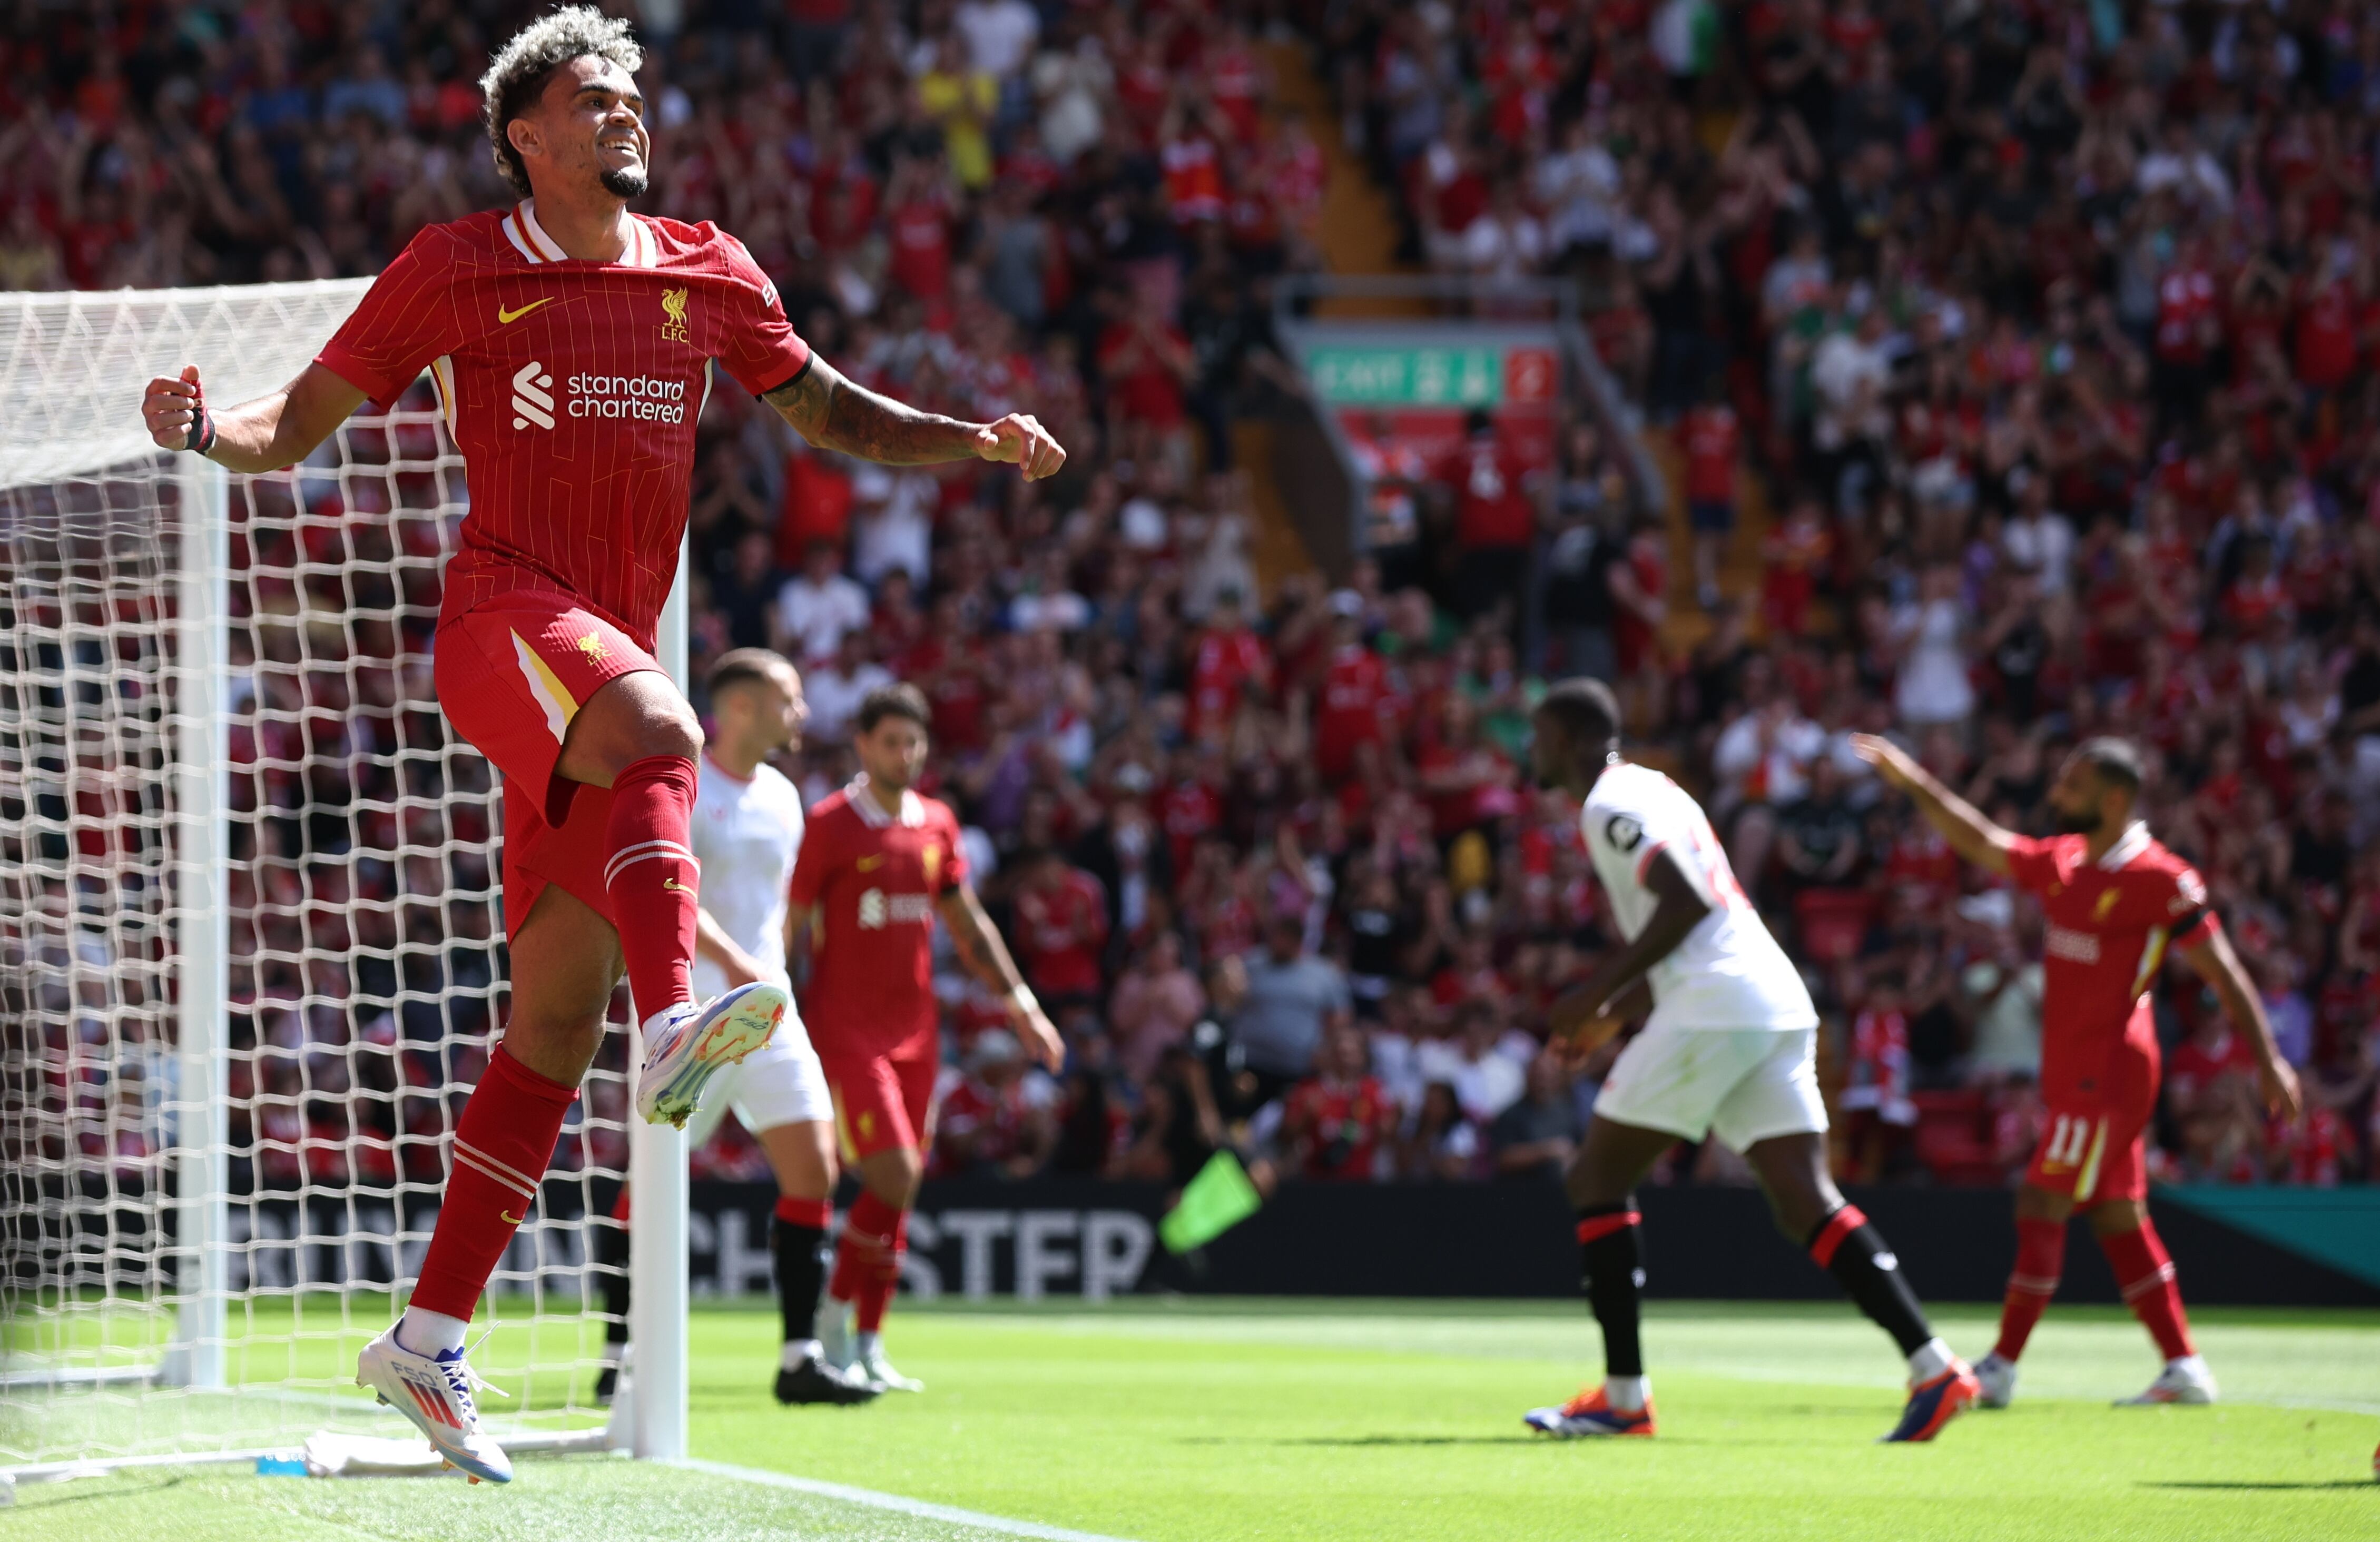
(674, 310)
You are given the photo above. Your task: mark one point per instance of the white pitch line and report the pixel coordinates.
(899, 1503)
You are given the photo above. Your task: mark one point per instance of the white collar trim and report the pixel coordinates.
(871, 813)
(2131, 843)
(530, 239)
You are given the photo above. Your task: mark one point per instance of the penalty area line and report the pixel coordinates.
(898, 1503)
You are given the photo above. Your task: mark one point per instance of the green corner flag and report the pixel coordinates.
(1219, 1198)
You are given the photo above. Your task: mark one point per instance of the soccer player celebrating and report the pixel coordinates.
(2114, 901)
(1729, 1049)
(747, 832)
(572, 343)
(878, 863)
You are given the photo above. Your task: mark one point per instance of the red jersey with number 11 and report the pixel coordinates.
(874, 877)
(2110, 922)
(572, 389)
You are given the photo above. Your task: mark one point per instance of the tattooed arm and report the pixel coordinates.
(835, 414)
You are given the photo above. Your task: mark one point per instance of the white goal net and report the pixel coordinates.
(251, 946)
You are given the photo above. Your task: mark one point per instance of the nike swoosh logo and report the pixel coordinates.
(671, 885)
(506, 317)
(510, 1218)
(868, 864)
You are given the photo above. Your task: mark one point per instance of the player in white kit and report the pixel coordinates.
(1729, 1050)
(747, 832)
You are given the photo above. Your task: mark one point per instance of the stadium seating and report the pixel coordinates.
(2051, 362)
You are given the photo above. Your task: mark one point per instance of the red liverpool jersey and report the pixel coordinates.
(874, 879)
(572, 389)
(2108, 925)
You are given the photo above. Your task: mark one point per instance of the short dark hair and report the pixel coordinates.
(522, 68)
(1587, 710)
(2114, 760)
(898, 700)
(743, 666)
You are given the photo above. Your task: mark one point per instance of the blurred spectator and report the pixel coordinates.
(1337, 1122)
(995, 1118)
(1292, 997)
(1061, 925)
(818, 605)
(1534, 1137)
(1487, 1075)
(1155, 1005)
(1441, 1144)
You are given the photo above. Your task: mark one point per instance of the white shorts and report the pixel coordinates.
(779, 1083)
(1743, 1085)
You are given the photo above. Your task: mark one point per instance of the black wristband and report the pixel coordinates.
(202, 432)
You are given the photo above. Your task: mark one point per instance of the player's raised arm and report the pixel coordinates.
(1970, 833)
(834, 413)
(2220, 968)
(984, 955)
(1589, 1013)
(280, 428)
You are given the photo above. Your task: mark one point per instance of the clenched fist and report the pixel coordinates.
(1020, 440)
(175, 411)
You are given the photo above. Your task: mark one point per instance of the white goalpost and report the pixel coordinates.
(250, 935)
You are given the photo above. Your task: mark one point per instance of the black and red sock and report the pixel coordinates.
(796, 1235)
(1851, 1250)
(1611, 1271)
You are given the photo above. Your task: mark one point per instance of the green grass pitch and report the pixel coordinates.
(1191, 1421)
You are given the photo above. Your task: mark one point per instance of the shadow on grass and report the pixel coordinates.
(2258, 1487)
(30, 1499)
(1345, 1442)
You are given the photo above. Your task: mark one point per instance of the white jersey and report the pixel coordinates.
(747, 835)
(1727, 973)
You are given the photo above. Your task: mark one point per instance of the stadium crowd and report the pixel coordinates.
(2047, 330)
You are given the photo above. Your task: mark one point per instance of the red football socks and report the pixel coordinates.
(868, 1261)
(2145, 1274)
(503, 1143)
(650, 873)
(2040, 1255)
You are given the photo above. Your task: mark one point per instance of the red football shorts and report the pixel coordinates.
(511, 674)
(884, 1102)
(2095, 1151)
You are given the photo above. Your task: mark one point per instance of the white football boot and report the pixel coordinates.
(877, 1368)
(687, 1045)
(1998, 1378)
(434, 1391)
(2186, 1380)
